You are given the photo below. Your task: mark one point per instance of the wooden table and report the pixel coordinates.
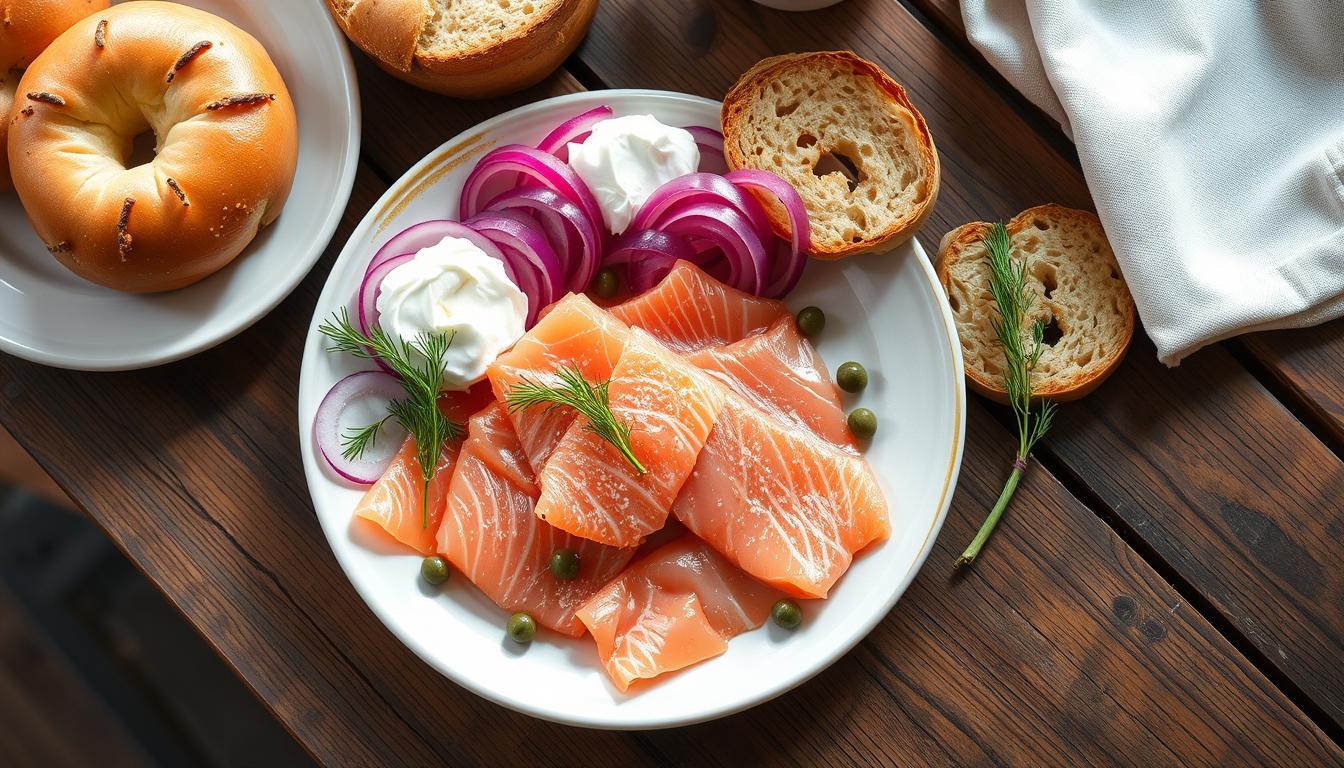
(1167, 588)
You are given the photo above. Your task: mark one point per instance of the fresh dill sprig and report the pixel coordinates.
(1013, 300)
(590, 400)
(356, 440)
(420, 365)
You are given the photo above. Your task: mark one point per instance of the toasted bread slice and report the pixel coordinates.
(846, 136)
(467, 48)
(1080, 295)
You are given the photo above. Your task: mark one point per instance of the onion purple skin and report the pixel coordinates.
(536, 167)
(710, 143)
(426, 234)
(327, 422)
(556, 213)
(574, 131)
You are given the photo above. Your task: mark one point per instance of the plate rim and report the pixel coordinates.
(386, 208)
(165, 354)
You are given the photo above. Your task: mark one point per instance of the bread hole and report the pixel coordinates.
(954, 302)
(142, 150)
(837, 162)
(1114, 275)
(872, 193)
(1044, 271)
(839, 109)
(786, 108)
(528, 8)
(1040, 224)
(806, 140)
(1053, 333)
(856, 215)
(1083, 358)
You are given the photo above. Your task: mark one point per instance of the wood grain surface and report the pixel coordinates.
(981, 138)
(1063, 646)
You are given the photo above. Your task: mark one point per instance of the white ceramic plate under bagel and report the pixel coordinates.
(50, 316)
(887, 311)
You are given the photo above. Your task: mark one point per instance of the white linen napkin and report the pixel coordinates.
(1211, 133)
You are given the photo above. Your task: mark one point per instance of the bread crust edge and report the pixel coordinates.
(950, 249)
(755, 78)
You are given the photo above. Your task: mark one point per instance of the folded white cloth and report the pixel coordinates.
(1211, 133)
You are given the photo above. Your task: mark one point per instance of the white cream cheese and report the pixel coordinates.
(454, 287)
(626, 158)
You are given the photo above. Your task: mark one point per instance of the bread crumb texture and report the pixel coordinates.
(1080, 296)
(457, 27)
(829, 130)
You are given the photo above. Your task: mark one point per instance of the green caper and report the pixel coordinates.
(851, 376)
(862, 423)
(605, 284)
(787, 614)
(522, 627)
(564, 564)
(811, 322)
(434, 569)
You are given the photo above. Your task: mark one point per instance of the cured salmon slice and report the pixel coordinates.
(490, 534)
(589, 489)
(689, 310)
(394, 502)
(779, 372)
(576, 333)
(781, 504)
(674, 607)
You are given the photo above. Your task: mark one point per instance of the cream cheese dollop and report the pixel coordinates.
(455, 287)
(625, 159)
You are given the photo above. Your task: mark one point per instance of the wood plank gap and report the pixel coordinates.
(1306, 410)
(1080, 490)
(954, 40)
(584, 74)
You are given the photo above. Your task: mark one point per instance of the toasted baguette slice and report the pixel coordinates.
(803, 116)
(468, 48)
(1080, 295)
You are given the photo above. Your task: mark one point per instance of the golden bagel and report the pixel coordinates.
(225, 145)
(26, 28)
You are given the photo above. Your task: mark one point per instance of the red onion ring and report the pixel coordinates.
(563, 221)
(328, 425)
(425, 234)
(748, 263)
(573, 131)
(695, 188)
(371, 287)
(517, 233)
(536, 167)
(648, 256)
(788, 268)
(710, 142)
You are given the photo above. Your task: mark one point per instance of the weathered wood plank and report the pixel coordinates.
(995, 164)
(1310, 363)
(1061, 643)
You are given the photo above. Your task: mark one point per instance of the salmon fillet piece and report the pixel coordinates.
(674, 607)
(689, 310)
(574, 332)
(780, 503)
(394, 501)
(589, 489)
(779, 372)
(490, 534)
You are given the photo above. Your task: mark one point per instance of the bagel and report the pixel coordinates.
(225, 145)
(28, 27)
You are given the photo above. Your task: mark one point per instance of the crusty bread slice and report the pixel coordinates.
(1080, 295)
(803, 116)
(467, 48)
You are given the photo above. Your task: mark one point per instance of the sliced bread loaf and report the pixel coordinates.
(1080, 296)
(467, 48)
(846, 136)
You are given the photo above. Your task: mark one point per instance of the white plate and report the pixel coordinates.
(886, 311)
(50, 316)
